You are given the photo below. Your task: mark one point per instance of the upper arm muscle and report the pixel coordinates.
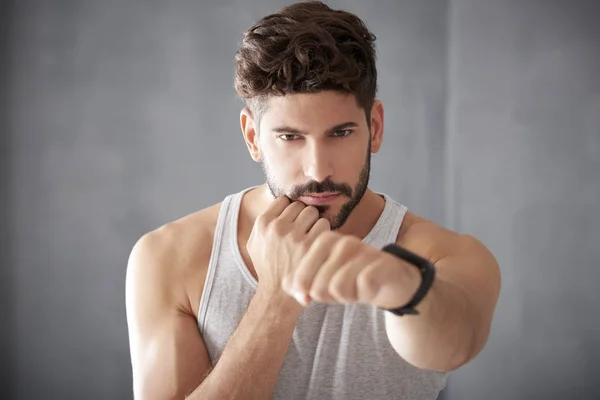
(464, 261)
(169, 358)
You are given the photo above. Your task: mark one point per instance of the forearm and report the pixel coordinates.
(442, 336)
(253, 356)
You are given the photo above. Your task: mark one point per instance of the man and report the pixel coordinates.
(284, 290)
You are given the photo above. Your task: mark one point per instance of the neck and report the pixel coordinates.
(359, 223)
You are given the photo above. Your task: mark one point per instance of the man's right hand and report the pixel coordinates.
(279, 239)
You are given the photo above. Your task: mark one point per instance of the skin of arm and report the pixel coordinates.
(168, 355)
(455, 317)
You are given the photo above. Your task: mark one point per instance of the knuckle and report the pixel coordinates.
(319, 294)
(304, 246)
(367, 284)
(298, 282)
(261, 222)
(310, 216)
(297, 205)
(335, 288)
(346, 243)
(311, 211)
(278, 227)
(302, 284)
(320, 225)
(286, 282)
(328, 237)
(283, 200)
(320, 240)
(297, 241)
(338, 290)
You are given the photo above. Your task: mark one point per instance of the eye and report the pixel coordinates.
(342, 133)
(288, 137)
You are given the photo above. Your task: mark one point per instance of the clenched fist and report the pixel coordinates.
(343, 269)
(295, 252)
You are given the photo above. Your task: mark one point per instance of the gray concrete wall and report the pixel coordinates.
(524, 142)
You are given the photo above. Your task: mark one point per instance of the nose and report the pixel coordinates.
(318, 165)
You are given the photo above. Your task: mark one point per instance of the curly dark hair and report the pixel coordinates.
(306, 47)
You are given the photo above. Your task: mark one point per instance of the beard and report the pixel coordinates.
(354, 195)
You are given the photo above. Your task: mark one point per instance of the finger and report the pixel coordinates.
(372, 279)
(306, 219)
(291, 211)
(277, 207)
(318, 253)
(343, 252)
(342, 285)
(321, 226)
(383, 283)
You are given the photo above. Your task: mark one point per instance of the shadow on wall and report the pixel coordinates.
(7, 344)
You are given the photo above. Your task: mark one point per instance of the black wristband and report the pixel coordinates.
(427, 271)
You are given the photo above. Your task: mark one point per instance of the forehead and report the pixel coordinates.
(312, 109)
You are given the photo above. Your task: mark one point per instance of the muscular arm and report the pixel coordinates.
(169, 358)
(456, 315)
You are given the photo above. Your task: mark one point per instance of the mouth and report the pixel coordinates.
(320, 198)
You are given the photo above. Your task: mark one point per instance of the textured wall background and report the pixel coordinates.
(524, 146)
(118, 116)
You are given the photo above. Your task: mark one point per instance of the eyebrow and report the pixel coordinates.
(294, 131)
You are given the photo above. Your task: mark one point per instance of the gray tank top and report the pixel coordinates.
(336, 351)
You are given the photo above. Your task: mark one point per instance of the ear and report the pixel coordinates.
(250, 134)
(376, 126)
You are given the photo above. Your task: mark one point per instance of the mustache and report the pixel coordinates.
(321, 187)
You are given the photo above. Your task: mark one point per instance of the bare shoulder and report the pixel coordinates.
(175, 258)
(165, 276)
(431, 240)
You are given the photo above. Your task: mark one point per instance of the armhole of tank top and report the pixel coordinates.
(397, 222)
(212, 263)
(234, 220)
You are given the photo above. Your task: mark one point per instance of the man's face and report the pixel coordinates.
(316, 148)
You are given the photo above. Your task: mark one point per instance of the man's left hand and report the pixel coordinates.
(343, 269)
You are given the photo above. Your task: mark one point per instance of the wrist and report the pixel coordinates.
(278, 303)
(420, 274)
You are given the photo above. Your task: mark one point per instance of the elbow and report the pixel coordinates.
(431, 358)
(439, 363)
(471, 349)
(457, 361)
(444, 356)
